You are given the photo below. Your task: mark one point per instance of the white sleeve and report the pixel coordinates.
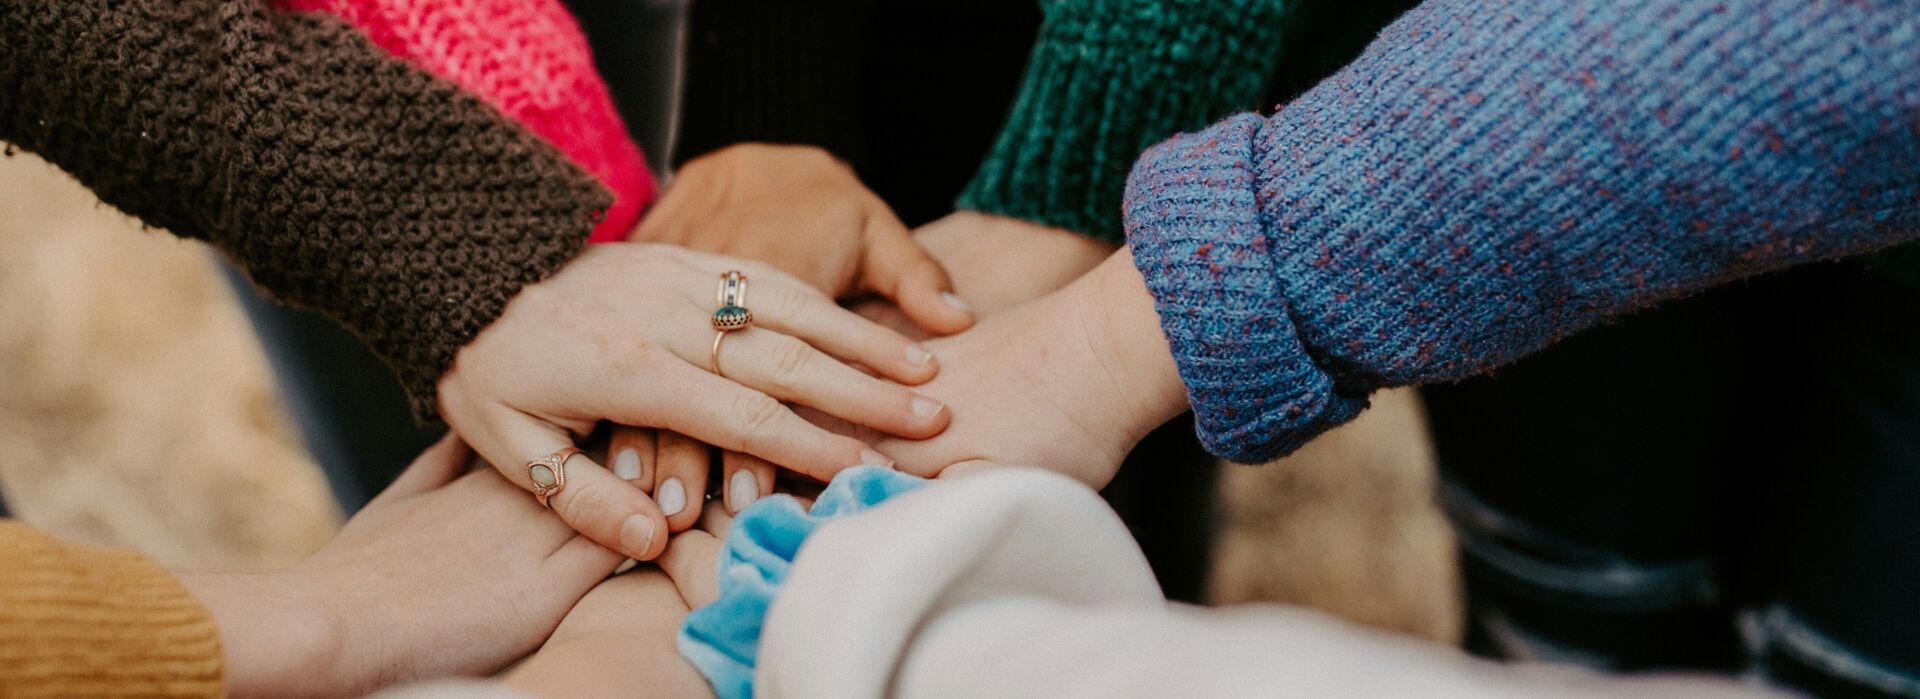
(1023, 583)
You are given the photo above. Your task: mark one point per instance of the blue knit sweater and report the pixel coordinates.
(1493, 175)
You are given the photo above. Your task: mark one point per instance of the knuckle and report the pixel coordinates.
(758, 412)
(589, 510)
(788, 299)
(791, 358)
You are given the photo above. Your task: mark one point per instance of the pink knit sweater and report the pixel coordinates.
(527, 58)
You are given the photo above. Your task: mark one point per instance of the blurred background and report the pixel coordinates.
(137, 409)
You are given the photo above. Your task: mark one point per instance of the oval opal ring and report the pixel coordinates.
(549, 474)
(732, 314)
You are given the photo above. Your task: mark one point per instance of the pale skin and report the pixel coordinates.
(1070, 382)
(801, 210)
(622, 333)
(1099, 333)
(817, 221)
(442, 574)
(620, 640)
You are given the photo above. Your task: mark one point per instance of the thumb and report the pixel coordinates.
(895, 266)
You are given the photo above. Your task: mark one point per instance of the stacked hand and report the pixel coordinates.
(621, 638)
(800, 210)
(442, 574)
(623, 333)
(1069, 382)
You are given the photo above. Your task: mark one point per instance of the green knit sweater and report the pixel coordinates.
(1109, 78)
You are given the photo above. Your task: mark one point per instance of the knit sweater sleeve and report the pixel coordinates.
(79, 621)
(773, 71)
(1107, 79)
(1491, 176)
(338, 177)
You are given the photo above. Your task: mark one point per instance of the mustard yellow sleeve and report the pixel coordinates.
(82, 621)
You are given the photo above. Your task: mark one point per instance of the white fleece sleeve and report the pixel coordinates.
(1023, 583)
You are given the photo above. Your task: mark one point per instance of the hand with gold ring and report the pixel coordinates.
(625, 332)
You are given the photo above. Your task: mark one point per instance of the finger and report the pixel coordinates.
(895, 266)
(680, 479)
(591, 500)
(795, 372)
(690, 563)
(728, 415)
(580, 562)
(747, 478)
(784, 304)
(717, 521)
(435, 467)
(630, 450)
(969, 467)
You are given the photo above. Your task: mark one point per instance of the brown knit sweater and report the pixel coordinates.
(340, 178)
(77, 621)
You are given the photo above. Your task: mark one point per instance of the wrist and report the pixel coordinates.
(1124, 328)
(275, 636)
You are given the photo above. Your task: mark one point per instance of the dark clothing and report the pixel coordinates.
(865, 81)
(1632, 498)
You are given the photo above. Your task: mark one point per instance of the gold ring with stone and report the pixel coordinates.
(549, 474)
(732, 297)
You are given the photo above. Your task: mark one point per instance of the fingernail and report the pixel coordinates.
(924, 407)
(742, 490)
(955, 302)
(918, 356)
(869, 457)
(636, 536)
(627, 464)
(671, 497)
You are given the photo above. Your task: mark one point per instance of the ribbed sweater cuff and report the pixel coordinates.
(1193, 225)
(80, 621)
(1108, 79)
(773, 71)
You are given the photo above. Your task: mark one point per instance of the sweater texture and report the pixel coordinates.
(77, 621)
(526, 58)
(1493, 175)
(1107, 79)
(337, 176)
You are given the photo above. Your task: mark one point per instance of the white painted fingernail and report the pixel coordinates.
(627, 464)
(636, 535)
(918, 356)
(955, 301)
(742, 489)
(869, 457)
(924, 407)
(671, 497)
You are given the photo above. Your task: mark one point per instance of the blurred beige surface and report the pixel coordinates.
(135, 406)
(1348, 524)
(136, 410)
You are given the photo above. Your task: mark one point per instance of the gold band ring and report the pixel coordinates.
(714, 362)
(548, 474)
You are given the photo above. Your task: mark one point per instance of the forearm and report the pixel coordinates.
(1107, 79)
(619, 639)
(277, 642)
(338, 177)
(1128, 344)
(1490, 177)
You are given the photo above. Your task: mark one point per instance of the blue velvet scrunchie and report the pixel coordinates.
(723, 638)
